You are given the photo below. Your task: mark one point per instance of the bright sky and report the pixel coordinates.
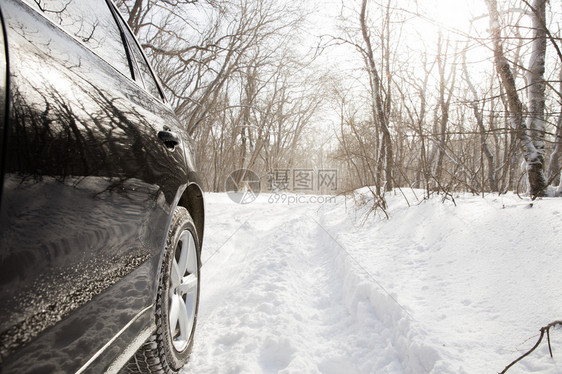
(455, 19)
(452, 17)
(455, 14)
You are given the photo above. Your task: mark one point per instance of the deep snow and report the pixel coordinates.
(437, 288)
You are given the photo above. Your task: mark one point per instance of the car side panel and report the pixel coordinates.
(75, 341)
(3, 94)
(87, 193)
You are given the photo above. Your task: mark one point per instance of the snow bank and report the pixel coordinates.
(479, 279)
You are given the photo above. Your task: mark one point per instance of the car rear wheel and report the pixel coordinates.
(168, 349)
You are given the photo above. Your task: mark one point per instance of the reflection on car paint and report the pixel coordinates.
(90, 179)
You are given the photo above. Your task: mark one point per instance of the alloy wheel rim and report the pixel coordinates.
(183, 286)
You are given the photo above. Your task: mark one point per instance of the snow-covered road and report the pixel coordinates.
(307, 288)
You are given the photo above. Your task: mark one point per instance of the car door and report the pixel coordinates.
(90, 176)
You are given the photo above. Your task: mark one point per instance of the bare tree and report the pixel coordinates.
(532, 142)
(380, 118)
(446, 85)
(474, 103)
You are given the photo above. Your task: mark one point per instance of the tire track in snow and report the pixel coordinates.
(363, 293)
(275, 300)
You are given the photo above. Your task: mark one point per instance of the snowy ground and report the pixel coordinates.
(311, 288)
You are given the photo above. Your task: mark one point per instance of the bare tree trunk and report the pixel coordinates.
(534, 157)
(554, 164)
(480, 122)
(536, 88)
(446, 85)
(386, 160)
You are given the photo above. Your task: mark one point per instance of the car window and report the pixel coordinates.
(92, 23)
(147, 77)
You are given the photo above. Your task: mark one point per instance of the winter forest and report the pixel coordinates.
(444, 96)
(435, 100)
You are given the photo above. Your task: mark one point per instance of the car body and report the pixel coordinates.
(94, 163)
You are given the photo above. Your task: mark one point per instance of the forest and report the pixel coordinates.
(442, 96)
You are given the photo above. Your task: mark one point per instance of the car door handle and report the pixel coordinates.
(169, 138)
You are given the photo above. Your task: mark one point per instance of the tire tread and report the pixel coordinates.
(151, 358)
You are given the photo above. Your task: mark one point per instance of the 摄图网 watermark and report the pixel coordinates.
(303, 180)
(288, 186)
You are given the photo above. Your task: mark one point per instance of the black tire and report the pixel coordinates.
(166, 351)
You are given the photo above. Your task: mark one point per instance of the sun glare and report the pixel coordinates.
(452, 14)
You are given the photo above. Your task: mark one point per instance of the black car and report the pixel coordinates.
(101, 211)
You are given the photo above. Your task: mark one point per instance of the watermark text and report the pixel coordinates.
(291, 199)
